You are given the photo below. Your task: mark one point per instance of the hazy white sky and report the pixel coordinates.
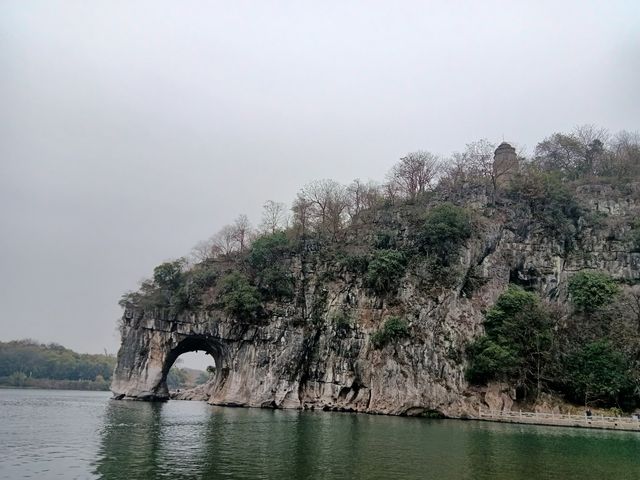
(130, 130)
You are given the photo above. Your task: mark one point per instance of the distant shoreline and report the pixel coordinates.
(47, 384)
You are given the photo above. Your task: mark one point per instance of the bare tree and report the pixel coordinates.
(328, 201)
(319, 194)
(204, 250)
(361, 196)
(337, 211)
(624, 158)
(274, 216)
(372, 195)
(456, 173)
(559, 152)
(301, 210)
(355, 193)
(415, 173)
(593, 140)
(581, 152)
(391, 191)
(242, 231)
(479, 157)
(225, 241)
(587, 134)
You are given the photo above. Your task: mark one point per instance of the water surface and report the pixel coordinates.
(63, 434)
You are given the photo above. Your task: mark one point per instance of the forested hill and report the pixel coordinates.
(27, 363)
(422, 292)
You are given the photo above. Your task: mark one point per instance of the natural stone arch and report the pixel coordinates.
(256, 365)
(151, 343)
(210, 346)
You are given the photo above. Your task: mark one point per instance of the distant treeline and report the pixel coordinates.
(181, 378)
(27, 363)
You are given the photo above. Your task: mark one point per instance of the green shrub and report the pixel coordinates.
(268, 250)
(194, 284)
(393, 329)
(202, 278)
(169, 275)
(165, 291)
(357, 264)
(509, 309)
(384, 240)
(517, 345)
(445, 230)
(384, 271)
(266, 258)
(558, 207)
(18, 379)
(551, 203)
(590, 291)
(598, 371)
(238, 297)
(342, 322)
(275, 282)
(489, 361)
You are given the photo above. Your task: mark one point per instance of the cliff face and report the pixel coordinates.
(299, 357)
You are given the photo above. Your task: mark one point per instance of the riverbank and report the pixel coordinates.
(555, 419)
(561, 420)
(49, 384)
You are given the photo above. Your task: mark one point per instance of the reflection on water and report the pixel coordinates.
(85, 435)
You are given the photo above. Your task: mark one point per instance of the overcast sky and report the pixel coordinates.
(131, 130)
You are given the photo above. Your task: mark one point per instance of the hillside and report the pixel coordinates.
(486, 278)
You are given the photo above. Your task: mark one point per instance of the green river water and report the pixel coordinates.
(64, 434)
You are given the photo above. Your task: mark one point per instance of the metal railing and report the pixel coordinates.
(593, 421)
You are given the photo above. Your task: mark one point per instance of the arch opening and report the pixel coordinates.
(181, 377)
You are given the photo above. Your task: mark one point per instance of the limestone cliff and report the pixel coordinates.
(298, 356)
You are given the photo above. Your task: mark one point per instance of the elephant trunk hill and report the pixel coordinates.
(388, 308)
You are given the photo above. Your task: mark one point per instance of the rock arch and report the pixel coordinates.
(193, 343)
(284, 363)
(255, 365)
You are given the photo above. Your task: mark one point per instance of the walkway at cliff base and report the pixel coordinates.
(561, 420)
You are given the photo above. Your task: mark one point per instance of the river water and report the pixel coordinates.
(64, 434)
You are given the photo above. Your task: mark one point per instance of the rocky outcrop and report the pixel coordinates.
(198, 393)
(299, 357)
(499, 397)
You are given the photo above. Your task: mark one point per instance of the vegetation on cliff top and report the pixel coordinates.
(424, 195)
